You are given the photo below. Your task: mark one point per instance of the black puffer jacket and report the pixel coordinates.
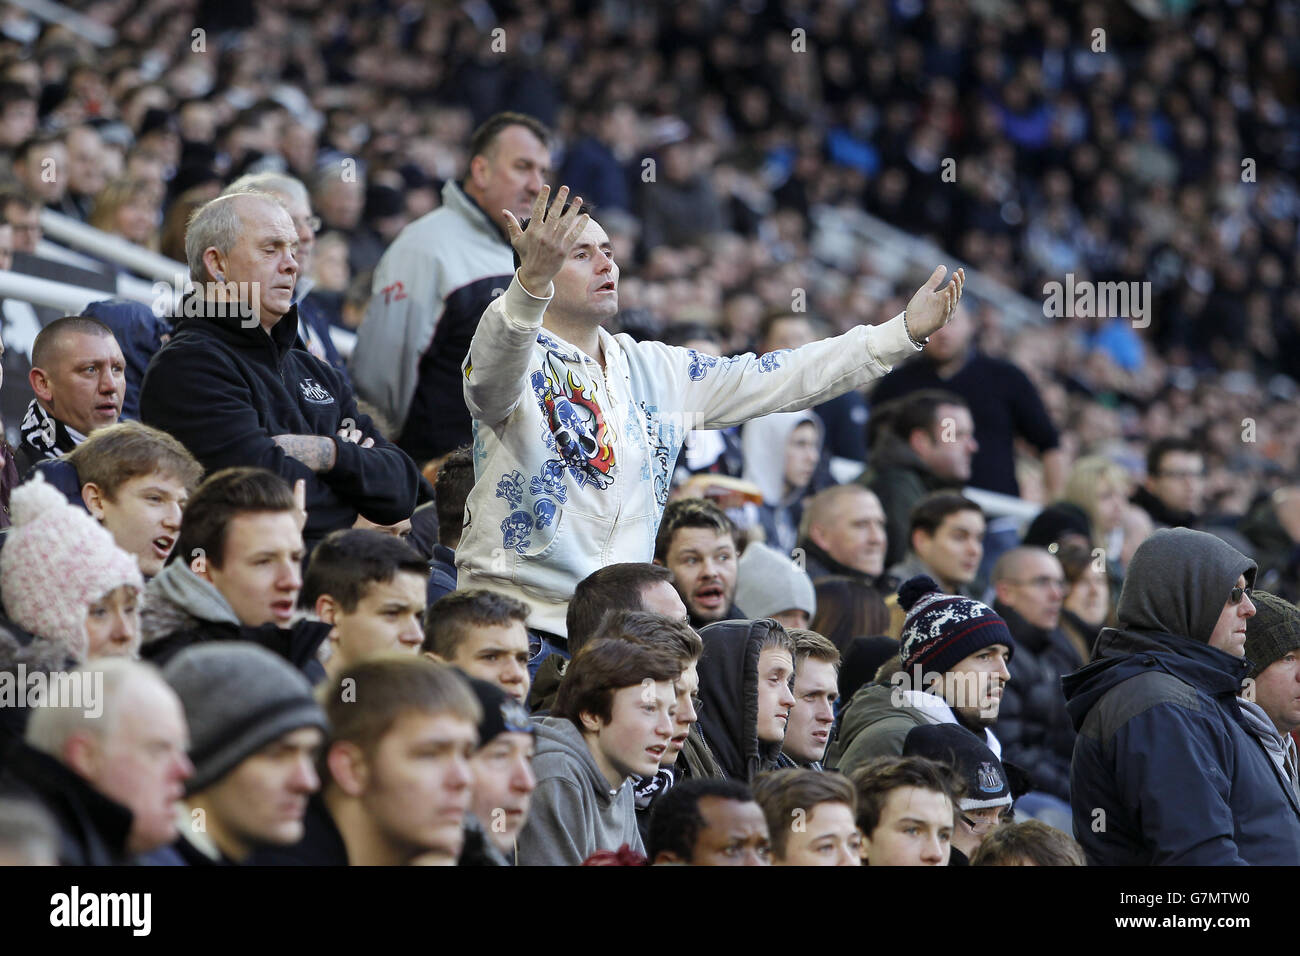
(1033, 724)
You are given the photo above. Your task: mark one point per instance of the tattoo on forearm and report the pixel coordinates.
(315, 452)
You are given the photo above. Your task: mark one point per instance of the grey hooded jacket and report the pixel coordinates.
(574, 811)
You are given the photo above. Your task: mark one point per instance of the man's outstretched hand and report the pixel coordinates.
(547, 241)
(931, 308)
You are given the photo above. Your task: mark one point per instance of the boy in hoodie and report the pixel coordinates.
(686, 743)
(631, 586)
(951, 669)
(235, 574)
(611, 724)
(746, 680)
(579, 429)
(1166, 769)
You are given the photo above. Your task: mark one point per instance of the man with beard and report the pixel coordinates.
(953, 656)
(700, 545)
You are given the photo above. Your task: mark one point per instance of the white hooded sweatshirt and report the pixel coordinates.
(573, 464)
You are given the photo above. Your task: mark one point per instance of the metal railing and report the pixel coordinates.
(68, 299)
(101, 245)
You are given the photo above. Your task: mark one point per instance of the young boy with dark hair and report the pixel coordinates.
(483, 633)
(611, 724)
(370, 588)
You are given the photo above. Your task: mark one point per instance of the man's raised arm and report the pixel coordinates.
(719, 393)
(497, 364)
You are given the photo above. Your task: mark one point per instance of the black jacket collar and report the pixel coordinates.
(207, 317)
(95, 828)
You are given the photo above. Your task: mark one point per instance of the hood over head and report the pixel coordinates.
(728, 671)
(1178, 582)
(763, 441)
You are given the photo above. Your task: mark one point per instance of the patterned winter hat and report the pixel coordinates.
(57, 562)
(942, 629)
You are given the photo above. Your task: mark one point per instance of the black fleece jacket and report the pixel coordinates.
(224, 391)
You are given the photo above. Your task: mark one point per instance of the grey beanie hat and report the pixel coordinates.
(238, 697)
(768, 582)
(1273, 632)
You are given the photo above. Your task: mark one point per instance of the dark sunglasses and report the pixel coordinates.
(1236, 594)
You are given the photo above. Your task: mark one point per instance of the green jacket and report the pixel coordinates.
(872, 727)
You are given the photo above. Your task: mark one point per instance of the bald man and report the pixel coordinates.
(1033, 724)
(843, 532)
(79, 376)
(233, 389)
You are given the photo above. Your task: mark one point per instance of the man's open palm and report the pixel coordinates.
(931, 308)
(548, 240)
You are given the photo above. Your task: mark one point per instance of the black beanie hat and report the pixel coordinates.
(986, 781)
(501, 712)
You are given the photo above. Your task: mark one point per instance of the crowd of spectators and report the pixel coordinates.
(736, 157)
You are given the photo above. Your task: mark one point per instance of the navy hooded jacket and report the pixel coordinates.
(1165, 770)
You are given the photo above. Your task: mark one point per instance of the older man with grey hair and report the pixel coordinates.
(105, 756)
(313, 323)
(232, 387)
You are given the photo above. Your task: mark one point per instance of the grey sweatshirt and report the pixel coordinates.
(574, 812)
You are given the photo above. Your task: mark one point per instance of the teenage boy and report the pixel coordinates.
(135, 481)
(483, 633)
(611, 724)
(816, 689)
(236, 574)
(631, 586)
(396, 775)
(370, 588)
(811, 817)
(905, 811)
(746, 675)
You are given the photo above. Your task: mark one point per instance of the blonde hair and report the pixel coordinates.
(119, 193)
(1084, 484)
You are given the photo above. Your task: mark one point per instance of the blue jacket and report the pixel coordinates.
(139, 333)
(1164, 769)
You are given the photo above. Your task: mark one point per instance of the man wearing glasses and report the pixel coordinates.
(1174, 491)
(1033, 725)
(1166, 769)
